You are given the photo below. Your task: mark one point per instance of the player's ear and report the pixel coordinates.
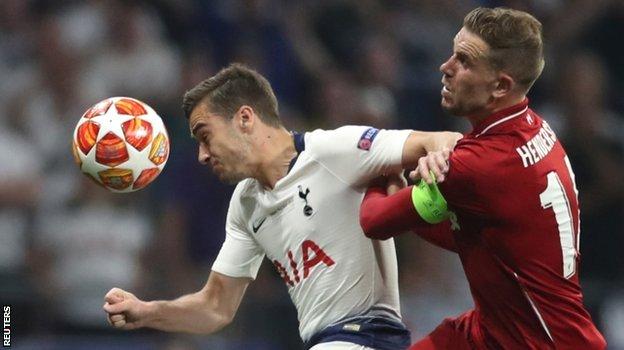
(504, 84)
(245, 118)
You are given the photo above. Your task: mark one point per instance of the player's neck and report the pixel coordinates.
(276, 150)
(494, 107)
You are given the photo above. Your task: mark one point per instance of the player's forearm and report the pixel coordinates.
(419, 143)
(437, 141)
(191, 313)
(383, 216)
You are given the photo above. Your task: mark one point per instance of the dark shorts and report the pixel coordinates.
(373, 332)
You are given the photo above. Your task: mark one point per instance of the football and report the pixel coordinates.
(121, 143)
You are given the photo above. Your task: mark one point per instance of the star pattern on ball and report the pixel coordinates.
(111, 122)
(121, 144)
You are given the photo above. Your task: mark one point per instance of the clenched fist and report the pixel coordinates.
(124, 310)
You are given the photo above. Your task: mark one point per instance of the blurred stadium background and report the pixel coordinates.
(64, 242)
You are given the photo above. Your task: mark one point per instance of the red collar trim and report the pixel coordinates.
(500, 117)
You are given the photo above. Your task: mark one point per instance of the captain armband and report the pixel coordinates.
(429, 202)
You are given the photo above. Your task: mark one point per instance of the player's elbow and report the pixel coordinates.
(372, 226)
(366, 223)
(224, 313)
(214, 314)
(224, 319)
(214, 321)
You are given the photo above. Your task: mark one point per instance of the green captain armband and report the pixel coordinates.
(429, 202)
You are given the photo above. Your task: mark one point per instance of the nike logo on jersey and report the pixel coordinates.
(256, 225)
(260, 220)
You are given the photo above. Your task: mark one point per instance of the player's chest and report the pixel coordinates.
(303, 216)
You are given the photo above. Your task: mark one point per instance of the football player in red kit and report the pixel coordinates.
(509, 195)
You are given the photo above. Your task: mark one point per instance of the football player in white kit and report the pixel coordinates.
(297, 203)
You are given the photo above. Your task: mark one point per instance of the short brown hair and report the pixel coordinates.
(232, 87)
(515, 40)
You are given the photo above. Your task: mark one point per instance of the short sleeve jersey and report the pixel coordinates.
(516, 226)
(308, 227)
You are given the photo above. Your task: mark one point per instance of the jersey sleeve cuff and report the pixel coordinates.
(234, 271)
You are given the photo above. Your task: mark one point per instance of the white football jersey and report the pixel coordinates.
(308, 227)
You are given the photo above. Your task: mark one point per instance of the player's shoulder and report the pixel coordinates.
(246, 188)
(500, 138)
(515, 129)
(350, 137)
(484, 146)
(321, 137)
(243, 200)
(484, 156)
(245, 191)
(513, 134)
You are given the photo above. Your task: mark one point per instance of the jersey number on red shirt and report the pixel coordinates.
(555, 197)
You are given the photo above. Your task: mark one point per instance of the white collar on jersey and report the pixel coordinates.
(503, 120)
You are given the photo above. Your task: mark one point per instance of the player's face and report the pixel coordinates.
(220, 145)
(468, 80)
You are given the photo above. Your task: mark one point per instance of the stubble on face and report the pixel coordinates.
(228, 150)
(466, 76)
(234, 160)
(465, 104)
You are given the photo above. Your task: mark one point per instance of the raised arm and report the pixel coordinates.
(205, 312)
(419, 143)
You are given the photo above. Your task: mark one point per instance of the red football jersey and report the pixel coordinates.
(515, 222)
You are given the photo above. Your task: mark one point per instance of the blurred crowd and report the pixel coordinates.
(65, 242)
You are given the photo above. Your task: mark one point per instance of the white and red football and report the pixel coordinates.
(121, 143)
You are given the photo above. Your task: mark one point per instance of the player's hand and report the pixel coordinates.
(123, 309)
(436, 162)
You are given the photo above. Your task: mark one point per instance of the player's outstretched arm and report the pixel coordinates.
(206, 311)
(420, 143)
(383, 216)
